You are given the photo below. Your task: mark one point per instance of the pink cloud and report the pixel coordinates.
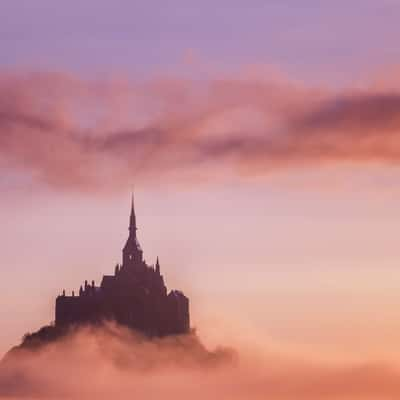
(77, 134)
(110, 362)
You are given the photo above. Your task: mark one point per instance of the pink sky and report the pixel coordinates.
(266, 149)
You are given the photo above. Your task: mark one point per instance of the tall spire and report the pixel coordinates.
(132, 252)
(158, 266)
(132, 223)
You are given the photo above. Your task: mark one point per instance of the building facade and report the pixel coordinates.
(134, 296)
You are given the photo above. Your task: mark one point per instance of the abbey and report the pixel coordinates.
(134, 296)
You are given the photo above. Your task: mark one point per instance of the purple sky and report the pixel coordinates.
(332, 41)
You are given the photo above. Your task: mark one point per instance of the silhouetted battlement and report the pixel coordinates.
(135, 296)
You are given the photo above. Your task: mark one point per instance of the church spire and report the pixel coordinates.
(132, 223)
(158, 266)
(132, 252)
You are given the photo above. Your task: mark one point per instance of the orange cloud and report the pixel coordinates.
(101, 363)
(74, 134)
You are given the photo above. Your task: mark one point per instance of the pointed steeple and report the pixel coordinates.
(132, 222)
(158, 266)
(132, 252)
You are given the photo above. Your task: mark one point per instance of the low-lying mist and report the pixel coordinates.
(111, 362)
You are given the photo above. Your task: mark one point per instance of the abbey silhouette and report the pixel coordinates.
(135, 296)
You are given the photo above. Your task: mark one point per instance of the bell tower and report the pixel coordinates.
(132, 253)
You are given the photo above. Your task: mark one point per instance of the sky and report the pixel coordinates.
(262, 142)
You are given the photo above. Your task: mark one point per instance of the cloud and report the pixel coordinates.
(111, 362)
(85, 135)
